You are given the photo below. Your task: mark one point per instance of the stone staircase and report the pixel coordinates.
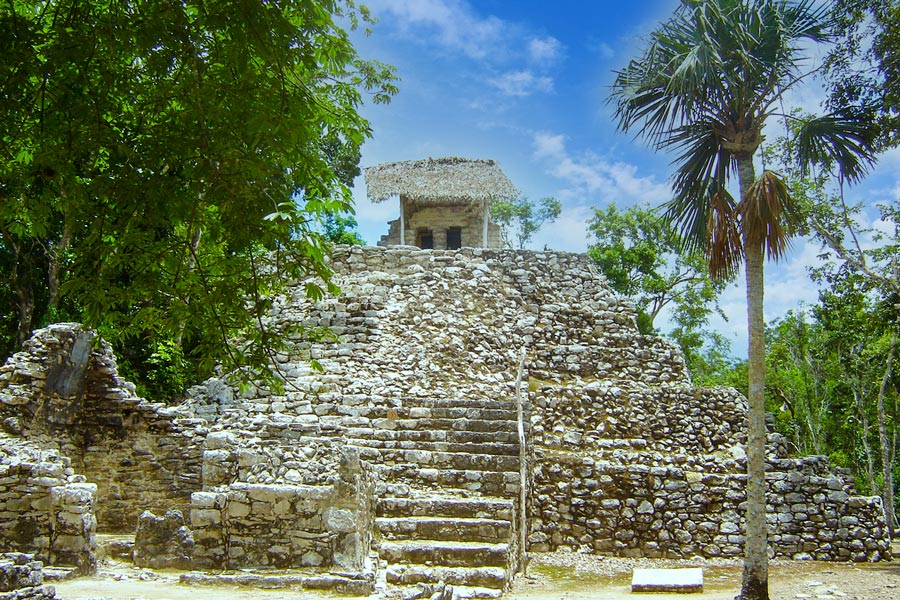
(446, 505)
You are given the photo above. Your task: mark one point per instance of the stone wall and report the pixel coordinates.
(676, 422)
(628, 457)
(45, 508)
(666, 461)
(667, 511)
(438, 219)
(315, 508)
(63, 391)
(22, 578)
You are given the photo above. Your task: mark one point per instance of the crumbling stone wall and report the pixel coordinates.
(22, 578)
(63, 391)
(45, 508)
(677, 421)
(305, 503)
(619, 477)
(667, 466)
(628, 458)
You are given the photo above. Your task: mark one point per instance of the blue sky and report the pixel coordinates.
(525, 83)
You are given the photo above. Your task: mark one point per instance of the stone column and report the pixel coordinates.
(402, 223)
(485, 217)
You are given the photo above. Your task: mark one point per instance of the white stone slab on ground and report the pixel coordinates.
(683, 581)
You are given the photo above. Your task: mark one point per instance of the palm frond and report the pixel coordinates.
(844, 141)
(768, 215)
(723, 248)
(702, 159)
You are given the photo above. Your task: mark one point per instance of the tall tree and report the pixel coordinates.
(520, 219)
(865, 262)
(863, 67)
(641, 256)
(705, 85)
(157, 154)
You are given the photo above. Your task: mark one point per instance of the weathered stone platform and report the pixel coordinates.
(407, 444)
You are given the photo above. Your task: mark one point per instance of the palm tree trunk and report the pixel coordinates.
(755, 580)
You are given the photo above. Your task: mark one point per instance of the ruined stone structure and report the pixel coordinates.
(406, 448)
(444, 202)
(22, 578)
(63, 393)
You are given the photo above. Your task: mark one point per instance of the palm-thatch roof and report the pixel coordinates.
(440, 180)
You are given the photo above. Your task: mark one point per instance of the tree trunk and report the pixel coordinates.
(20, 282)
(53, 279)
(886, 454)
(25, 308)
(755, 580)
(864, 436)
(193, 247)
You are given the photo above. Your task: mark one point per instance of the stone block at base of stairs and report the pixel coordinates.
(448, 553)
(683, 581)
(479, 577)
(449, 592)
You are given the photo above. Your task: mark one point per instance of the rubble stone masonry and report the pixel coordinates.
(405, 442)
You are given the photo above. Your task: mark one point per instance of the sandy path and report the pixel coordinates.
(557, 576)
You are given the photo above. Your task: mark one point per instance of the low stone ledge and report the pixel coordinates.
(347, 584)
(22, 578)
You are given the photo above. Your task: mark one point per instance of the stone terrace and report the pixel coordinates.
(406, 442)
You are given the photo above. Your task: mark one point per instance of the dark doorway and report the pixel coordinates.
(454, 238)
(425, 239)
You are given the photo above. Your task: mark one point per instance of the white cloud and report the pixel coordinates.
(568, 233)
(605, 50)
(549, 145)
(452, 23)
(594, 178)
(507, 59)
(522, 83)
(544, 51)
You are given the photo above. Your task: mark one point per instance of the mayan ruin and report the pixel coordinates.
(400, 466)
(444, 202)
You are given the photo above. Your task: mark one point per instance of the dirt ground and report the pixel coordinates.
(556, 576)
(571, 576)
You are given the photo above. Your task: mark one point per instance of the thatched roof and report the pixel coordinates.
(440, 180)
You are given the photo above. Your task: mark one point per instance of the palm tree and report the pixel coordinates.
(704, 87)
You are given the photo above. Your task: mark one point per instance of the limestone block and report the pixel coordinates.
(238, 510)
(207, 500)
(163, 542)
(205, 517)
(341, 520)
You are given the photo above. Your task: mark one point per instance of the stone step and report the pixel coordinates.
(491, 483)
(335, 410)
(509, 405)
(493, 578)
(446, 505)
(446, 460)
(627, 363)
(444, 528)
(510, 436)
(437, 424)
(471, 447)
(445, 553)
(452, 412)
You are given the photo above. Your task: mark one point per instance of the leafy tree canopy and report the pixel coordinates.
(864, 65)
(164, 164)
(341, 229)
(642, 257)
(520, 219)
